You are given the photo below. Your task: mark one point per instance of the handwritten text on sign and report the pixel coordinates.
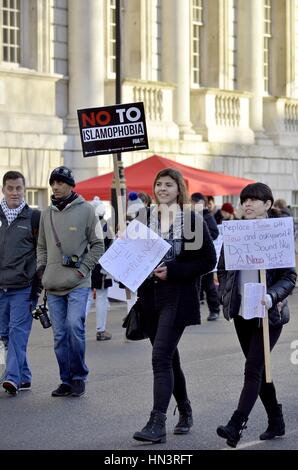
(131, 258)
(259, 243)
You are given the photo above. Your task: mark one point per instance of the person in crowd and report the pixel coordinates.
(70, 243)
(214, 210)
(19, 288)
(145, 198)
(134, 205)
(282, 208)
(227, 211)
(207, 282)
(100, 280)
(256, 200)
(169, 298)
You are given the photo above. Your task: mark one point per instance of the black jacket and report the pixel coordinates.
(280, 283)
(17, 251)
(211, 224)
(183, 275)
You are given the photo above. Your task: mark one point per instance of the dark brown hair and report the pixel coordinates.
(259, 191)
(183, 197)
(13, 175)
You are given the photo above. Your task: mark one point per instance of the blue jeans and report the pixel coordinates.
(15, 327)
(67, 314)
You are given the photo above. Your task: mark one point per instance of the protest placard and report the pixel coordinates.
(259, 243)
(133, 257)
(113, 129)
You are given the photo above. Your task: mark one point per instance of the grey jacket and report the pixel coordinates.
(80, 233)
(17, 251)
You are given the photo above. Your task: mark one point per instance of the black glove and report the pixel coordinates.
(39, 272)
(36, 286)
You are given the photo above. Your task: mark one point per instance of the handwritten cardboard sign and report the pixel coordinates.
(131, 258)
(259, 243)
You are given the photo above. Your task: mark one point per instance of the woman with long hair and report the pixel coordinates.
(169, 298)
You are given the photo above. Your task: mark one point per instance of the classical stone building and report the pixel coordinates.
(219, 80)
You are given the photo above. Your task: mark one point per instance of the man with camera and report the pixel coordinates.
(69, 245)
(19, 288)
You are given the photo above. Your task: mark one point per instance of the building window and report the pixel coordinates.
(111, 38)
(232, 45)
(196, 23)
(32, 197)
(156, 39)
(11, 34)
(267, 36)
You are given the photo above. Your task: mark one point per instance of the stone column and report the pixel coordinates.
(250, 58)
(86, 71)
(176, 58)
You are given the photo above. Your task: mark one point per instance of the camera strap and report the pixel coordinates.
(45, 298)
(58, 243)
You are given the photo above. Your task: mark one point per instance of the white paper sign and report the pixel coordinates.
(251, 306)
(131, 258)
(259, 243)
(217, 245)
(2, 353)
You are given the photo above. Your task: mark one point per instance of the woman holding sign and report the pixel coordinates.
(256, 200)
(170, 298)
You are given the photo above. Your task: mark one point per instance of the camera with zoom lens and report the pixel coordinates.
(73, 261)
(41, 313)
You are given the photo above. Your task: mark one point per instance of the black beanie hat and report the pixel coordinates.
(64, 174)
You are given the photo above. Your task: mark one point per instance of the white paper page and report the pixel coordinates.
(253, 294)
(2, 353)
(131, 258)
(217, 245)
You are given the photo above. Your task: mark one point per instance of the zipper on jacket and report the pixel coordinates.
(234, 277)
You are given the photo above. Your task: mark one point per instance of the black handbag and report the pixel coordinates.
(133, 323)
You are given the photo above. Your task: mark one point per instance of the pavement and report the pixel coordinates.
(118, 395)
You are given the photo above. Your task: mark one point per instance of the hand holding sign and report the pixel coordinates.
(134, 257)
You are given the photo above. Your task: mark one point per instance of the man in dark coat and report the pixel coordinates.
(18, 292)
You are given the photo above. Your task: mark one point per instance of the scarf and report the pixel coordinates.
(173, 236)
(175, 230)
(11, 214)
(63, 202)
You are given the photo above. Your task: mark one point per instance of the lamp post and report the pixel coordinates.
(118, 95)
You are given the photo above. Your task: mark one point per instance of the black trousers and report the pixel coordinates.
(168, 377)
(208, 286)
(251, 340)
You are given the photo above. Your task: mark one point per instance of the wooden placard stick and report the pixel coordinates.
(267, 354)
(119, 197)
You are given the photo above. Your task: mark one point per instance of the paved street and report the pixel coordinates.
(118, 398)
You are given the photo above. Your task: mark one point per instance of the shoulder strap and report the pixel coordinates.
(35, 218)
(58, 243)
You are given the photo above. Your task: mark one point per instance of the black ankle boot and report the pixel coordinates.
(185, 418)
(276, 424)
(155, 429)
(232, 432)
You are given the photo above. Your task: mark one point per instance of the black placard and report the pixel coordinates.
(113, 129)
